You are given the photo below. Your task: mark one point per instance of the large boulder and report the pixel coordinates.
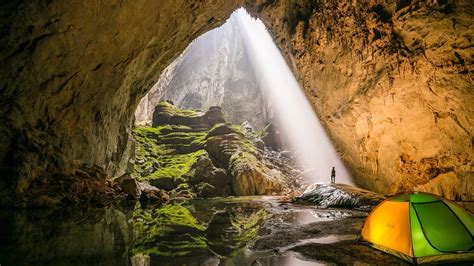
(167, 114)
(339, 195)
(208, 180)
(131, 188)
(214, 116)
(252, 177)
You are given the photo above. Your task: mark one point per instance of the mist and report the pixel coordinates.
(300, 127)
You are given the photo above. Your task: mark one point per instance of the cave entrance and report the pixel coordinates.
(237, 74)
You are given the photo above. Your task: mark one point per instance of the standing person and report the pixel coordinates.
(333, 175)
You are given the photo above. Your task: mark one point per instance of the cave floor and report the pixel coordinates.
(230, 231)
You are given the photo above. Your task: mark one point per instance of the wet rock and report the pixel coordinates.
(153, 195)
(206, 190)
(232, 229)
(166, 183)
(339, 195)
(132, 188)
(205, 172)
(346, 253)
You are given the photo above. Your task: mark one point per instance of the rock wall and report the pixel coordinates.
(392, 81)
(73, 72)
(214, 70)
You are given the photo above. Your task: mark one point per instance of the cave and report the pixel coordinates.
(94, 94)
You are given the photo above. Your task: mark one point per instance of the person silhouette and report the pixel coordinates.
(333, 175)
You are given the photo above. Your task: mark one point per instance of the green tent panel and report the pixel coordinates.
(421, 228)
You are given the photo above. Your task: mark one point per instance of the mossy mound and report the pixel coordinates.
(174, 230)
(168, 231)
(202, 156)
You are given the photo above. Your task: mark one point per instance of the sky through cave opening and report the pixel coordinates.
(238, 67)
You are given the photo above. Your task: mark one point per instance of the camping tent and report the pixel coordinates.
(421, 228)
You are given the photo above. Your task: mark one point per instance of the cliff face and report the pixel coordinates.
(72, 74)
(390, 80)
(392, 83)
(213, 71)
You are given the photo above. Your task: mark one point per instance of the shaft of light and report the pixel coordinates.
(295, 117)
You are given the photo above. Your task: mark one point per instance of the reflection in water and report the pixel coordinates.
(197, 232)
(70, 236)
(222, 229)
(189, 233)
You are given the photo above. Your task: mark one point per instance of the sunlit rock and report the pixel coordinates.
(389, 81)
(339, 195)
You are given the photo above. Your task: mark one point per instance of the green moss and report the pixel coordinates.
(183, 137)
(173, 110)
(168, 231)
(238, 231)
(157, 150)
(175, 165)
(248, 226)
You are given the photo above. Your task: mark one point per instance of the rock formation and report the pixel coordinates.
(214, 70)
(339, 195)
(72, 74)
(195, 154)
(390, 80)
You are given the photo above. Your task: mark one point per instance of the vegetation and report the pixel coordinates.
(166, 107)
(168, 231)
(173, 231)
(156, 152)
(166, 154)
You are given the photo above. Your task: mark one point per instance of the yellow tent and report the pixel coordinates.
(421, 228)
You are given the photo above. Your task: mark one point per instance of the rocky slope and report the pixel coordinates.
(392, 82)
(213, 71)
(194, 154)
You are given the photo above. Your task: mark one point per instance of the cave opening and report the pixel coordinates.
(214, 165)
(238, 69)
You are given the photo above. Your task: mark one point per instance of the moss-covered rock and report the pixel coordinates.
(232, 229)
(168, 231)
(194, 154)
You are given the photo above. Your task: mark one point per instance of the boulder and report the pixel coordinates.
(205, 190)
(250, 177)
(214, 116)
(131, 188)
(216, 180)
(166, 183)
(153, 196)
(339, 195)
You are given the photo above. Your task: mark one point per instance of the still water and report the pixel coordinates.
(232, 231)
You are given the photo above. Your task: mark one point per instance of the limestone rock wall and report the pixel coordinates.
(392, 81)
(213, 71)
(73, 72)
